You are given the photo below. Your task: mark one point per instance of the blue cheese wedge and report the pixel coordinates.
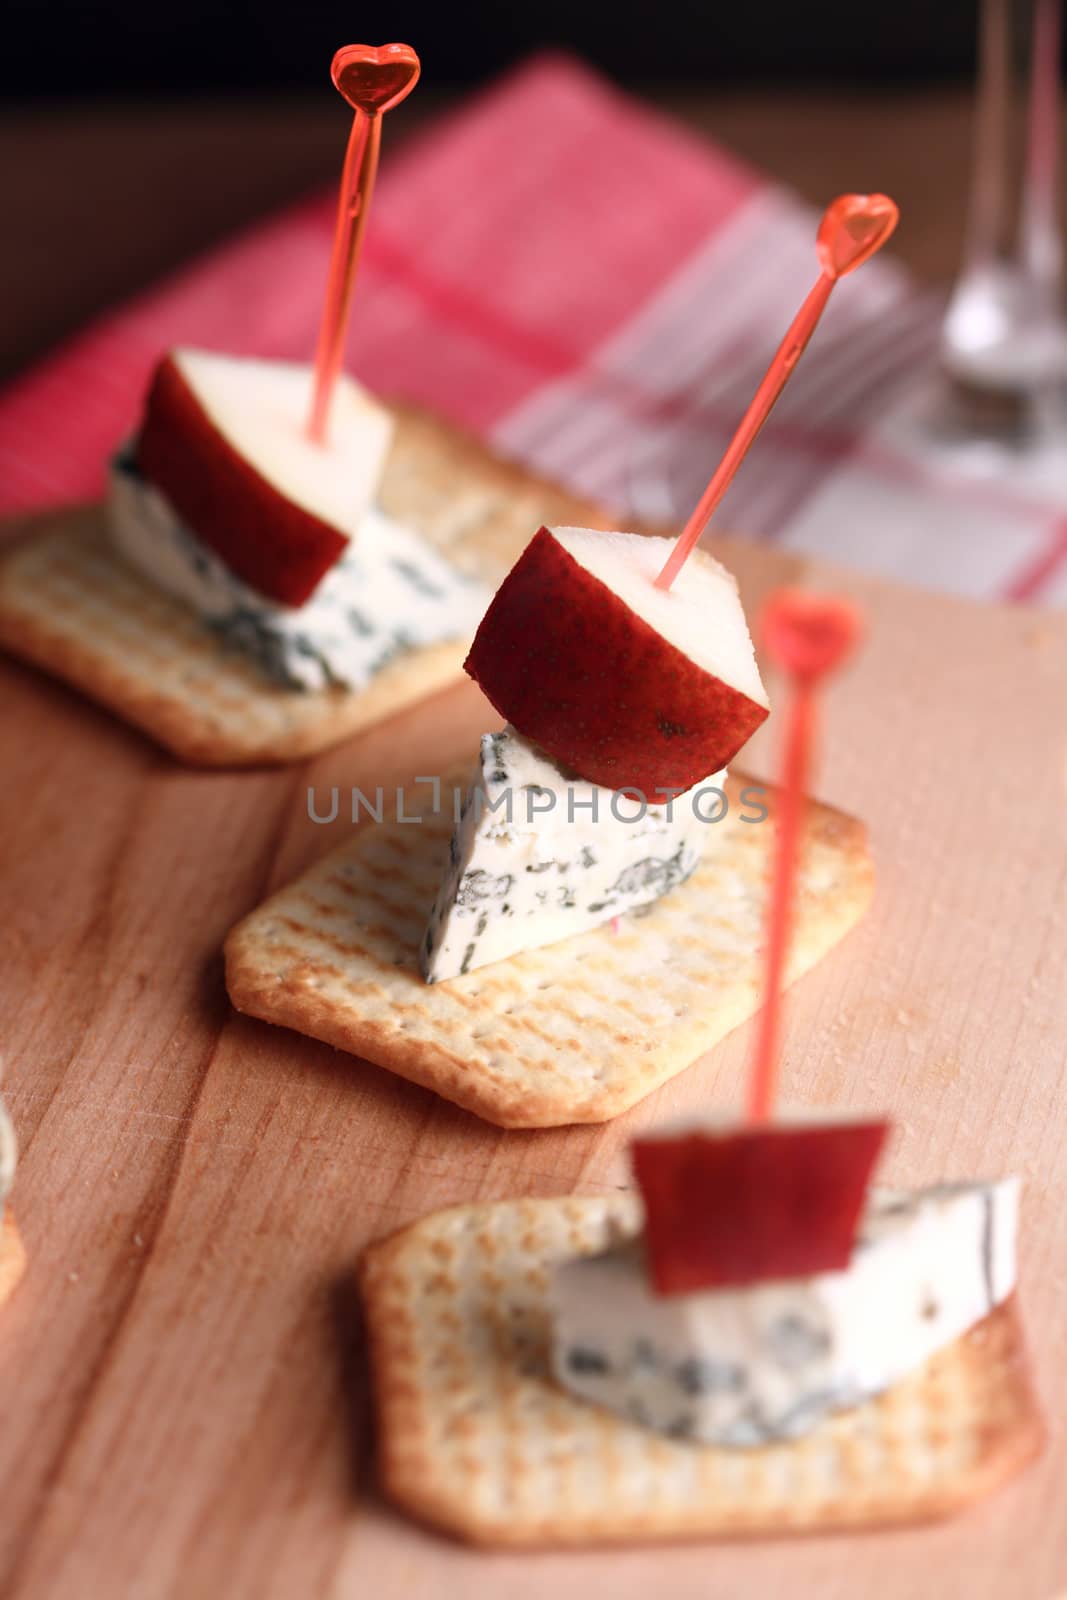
(766, 1362)
(390, 592)
(540, 854)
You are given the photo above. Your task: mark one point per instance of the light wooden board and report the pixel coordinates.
(183, 1389)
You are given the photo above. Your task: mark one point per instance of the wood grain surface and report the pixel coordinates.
(182, 1382)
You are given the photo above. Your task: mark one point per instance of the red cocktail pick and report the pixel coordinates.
(808, 636)
(767, 1201)
(373, 79)
(853, 227)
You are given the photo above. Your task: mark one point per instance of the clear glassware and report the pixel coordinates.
(1004, 339)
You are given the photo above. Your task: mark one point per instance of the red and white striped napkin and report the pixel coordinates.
(568, 273)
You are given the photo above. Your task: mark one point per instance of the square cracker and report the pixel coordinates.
(575, 1032)
(476, 1438)
(70, 604)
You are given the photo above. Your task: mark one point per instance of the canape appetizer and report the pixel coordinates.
(273, 539)
(534, 1387)
(759, 1343)
(600, 827)
(625, 702)
(769, 1288)
(284, 559)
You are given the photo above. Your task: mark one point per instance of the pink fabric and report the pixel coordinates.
(567, 272)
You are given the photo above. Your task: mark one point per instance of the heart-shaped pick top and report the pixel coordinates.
(853, 227)
(375, 78)
(808, 635)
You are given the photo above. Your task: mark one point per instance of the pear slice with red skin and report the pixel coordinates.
(629, 685)
(766, 1201)
(223, 439)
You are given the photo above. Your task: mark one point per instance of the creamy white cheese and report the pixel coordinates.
(8, 1155)
(391, 591)
(745, 1366)
(539, 854)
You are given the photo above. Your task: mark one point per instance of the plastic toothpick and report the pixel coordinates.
(372, 79)
(853, 227)
(808, 636)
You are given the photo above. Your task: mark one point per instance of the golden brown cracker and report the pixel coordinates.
(476, 1438)
(574, 1032)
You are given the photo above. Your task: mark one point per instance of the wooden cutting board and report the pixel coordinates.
(182, 1383)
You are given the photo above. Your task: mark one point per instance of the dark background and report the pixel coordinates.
(130, 47)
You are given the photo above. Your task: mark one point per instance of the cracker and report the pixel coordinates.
(574, 1032)
(12, 1255)
(476, 1438)
(69, 604)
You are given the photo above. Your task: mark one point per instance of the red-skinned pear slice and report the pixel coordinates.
(629, 685)
(753, 1203)
(224, 439)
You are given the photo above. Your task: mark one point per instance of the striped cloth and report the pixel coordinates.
(597, 292)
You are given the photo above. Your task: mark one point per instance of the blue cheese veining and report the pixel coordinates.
(539, 854)
(750, 1365)
(390, 592)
